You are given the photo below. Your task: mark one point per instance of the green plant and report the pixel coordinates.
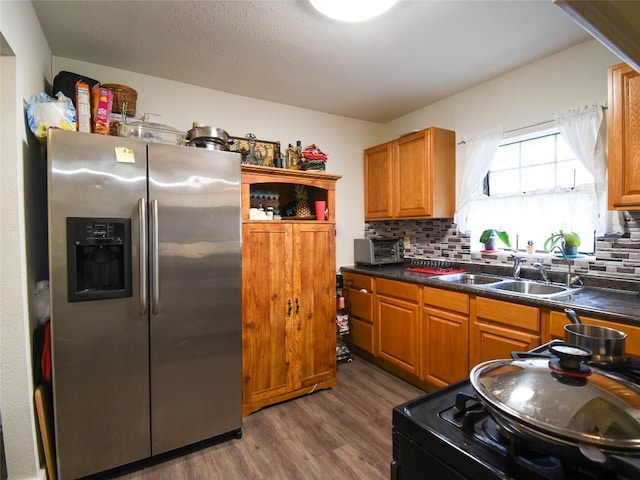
(531, 243)
(501, 234)
(569, 239)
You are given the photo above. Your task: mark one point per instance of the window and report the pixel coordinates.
(537, 186)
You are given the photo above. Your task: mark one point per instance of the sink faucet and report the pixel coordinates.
(517, 264)
(571, 279)
(543, 272)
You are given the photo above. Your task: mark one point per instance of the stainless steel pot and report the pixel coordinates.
(211, 138)
(562, 404)
(606, 344)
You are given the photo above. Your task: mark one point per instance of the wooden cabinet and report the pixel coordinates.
(557, 321)
(377, 182)
(624, 138)
(444, 345)
(397, 316)
(499, 328)
(288, 293)
(358, 292)
(411, 177)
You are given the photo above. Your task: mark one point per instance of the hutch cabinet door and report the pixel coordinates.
(267, 323)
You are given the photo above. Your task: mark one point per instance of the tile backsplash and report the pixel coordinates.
(617, 255)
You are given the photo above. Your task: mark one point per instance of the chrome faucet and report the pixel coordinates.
(517, 264)
(571, 279)
(543, 272)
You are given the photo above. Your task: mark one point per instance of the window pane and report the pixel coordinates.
(507, 157)
(564, 151)
(504, 182)
(533, 182)
(538, 150)
(535, 178)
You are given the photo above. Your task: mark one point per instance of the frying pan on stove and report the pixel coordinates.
(565, 407)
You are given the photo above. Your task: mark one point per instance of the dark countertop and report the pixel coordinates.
(603, 297)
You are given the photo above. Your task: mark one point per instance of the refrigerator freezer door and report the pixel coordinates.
(99, 347)
(195, 326)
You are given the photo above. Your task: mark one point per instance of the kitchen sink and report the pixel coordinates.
(529, 288)
(469, 278)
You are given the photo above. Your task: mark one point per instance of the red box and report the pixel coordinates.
(101, 101)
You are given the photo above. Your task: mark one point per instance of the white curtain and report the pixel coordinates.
(584, 131)
(480, 150)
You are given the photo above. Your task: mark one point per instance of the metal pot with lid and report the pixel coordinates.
(211, 138)
(563, 404)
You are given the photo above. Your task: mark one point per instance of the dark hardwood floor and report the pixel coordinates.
(341, 433)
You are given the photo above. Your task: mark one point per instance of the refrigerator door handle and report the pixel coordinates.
(155, 286)
(142, 214)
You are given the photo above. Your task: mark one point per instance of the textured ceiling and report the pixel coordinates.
(284, 51)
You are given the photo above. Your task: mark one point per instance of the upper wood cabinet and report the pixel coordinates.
(624, 138)
(377, 182)
(411, 177)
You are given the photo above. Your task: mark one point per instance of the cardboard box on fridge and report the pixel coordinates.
(83, 107)
(101, 101)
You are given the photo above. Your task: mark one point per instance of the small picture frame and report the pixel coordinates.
(254, 151)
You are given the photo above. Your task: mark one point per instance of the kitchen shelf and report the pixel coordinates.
(320, 186)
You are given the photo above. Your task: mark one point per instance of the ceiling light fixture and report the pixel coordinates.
(352, 10)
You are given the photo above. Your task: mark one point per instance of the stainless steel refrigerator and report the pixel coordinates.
(145, 272)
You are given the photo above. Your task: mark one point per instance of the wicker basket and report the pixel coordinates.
(121, 95)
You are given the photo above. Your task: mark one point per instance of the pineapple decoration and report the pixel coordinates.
(302, 201)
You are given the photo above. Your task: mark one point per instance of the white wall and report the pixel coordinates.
(526, 96)
(180, 104)
(25, 67)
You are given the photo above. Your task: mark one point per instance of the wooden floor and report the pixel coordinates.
(341, 433)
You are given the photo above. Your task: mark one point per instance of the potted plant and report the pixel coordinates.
(531, 246)
(569, 241)
(490, 238)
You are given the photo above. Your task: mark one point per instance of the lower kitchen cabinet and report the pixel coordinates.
(288, 310)
(557, 321)
(444, 345)
(397, 314)
(499, 328)
(358, 291)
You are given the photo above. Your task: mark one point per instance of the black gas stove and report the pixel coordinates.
(449, 435)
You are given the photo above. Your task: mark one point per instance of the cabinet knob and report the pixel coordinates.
(297, 305)
(289, 309)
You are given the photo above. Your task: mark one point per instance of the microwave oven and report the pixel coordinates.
(378, 251)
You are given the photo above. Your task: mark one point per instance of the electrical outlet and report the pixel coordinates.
(407, 242)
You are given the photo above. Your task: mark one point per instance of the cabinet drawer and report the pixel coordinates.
(361, 334)
(404, 290)
(492, 341)
(357, 282)
(557, 321)
(360, 304)
(510, 314)
(455, 301)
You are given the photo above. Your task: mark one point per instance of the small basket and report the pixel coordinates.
(121, 95)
